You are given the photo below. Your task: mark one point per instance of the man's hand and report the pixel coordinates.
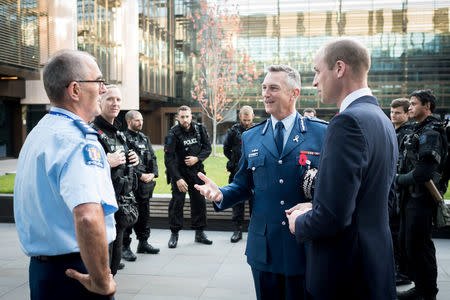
(182, 185)
(133, 158)
(190, 160)
(116, 159)
(147, 177)
(294, 212)
(210, 189)
(108, 287)
(305, 206)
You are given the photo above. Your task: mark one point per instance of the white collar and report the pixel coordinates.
(353, 96)
(287, 122)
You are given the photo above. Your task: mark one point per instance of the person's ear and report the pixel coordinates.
(295, 93)
(74, 90)
(340, 68)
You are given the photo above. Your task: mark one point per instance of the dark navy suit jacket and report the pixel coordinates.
(350, 252)
(276, 183)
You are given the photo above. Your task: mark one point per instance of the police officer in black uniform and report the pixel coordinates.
(146, 171)
(186, 146)
(123, 162)
(424, 156)
(232, 150)
(399, 118)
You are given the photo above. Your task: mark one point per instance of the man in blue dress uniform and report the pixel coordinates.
(64, 201)
(275, 155)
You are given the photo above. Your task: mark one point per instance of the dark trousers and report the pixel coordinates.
(415, 241)
(238, 214)
(198, 207)
(116, 252)
(399, 256)
(142, 226)
(271, 286)
(48, 281)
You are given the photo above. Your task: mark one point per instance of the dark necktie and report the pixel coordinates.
(279, 137)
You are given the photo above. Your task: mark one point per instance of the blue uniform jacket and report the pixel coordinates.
(350, 243)
(276, 183)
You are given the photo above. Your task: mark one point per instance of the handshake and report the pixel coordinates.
(294, 212)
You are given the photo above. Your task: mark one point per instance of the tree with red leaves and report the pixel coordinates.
(224, 73)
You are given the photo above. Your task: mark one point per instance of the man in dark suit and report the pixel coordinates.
(350, 253)
(275, 155)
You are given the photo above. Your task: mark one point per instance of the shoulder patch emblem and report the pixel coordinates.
(423, 139)
(92, 156)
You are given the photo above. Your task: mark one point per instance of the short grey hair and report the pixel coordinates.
(61, 69)
(293, 79)
(131, 114)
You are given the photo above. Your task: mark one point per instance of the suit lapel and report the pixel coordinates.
(268, 140)
(295, 138)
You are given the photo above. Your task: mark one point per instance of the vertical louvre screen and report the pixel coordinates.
(19, 33)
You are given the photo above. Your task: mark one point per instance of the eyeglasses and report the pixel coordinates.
(101, 82)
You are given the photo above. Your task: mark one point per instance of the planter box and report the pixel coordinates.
(6, 208)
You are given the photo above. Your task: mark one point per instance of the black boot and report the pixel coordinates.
(127, 254)
(401, 279)
(200, 237)
(173, 240)
(145, 247)
(410, 294)
(121, 266)
(237, 235)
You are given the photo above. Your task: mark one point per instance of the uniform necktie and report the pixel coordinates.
(279, 137)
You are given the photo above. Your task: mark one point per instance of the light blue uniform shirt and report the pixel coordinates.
(59, 168)
(288, 123)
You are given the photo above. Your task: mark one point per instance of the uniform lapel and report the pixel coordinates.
(268, 140)
(295, 138)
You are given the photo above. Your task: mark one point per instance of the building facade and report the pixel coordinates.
(409, 43)
(149, 49)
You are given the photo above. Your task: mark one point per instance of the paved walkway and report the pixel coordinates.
(8, 165)
(191, 271)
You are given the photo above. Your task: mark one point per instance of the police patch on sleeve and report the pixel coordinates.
(92, 156)
(423, 139)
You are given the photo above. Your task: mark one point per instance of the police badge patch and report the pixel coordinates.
(92, 156)
(423, 139)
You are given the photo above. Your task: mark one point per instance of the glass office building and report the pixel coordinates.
(409, 42)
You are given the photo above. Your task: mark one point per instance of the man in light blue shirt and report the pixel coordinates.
(64, 201)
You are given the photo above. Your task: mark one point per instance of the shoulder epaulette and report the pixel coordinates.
(259, 124)
(85, 128)
(314, 119)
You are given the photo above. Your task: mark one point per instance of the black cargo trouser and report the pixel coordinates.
(238, 214)
(415, 241)
(198, 206)
(116, 251)
(142, 226)
(400, 259)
